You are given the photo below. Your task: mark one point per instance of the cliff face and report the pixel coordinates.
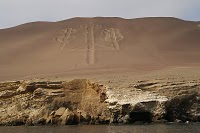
(49, 102)
(81, 101)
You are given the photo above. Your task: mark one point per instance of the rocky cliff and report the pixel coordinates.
(82, 102)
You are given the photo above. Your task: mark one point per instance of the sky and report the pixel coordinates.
(16, 12)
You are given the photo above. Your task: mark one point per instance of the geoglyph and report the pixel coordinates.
(111, 35)
(64, 37)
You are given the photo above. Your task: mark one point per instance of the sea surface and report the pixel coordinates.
(150, 128)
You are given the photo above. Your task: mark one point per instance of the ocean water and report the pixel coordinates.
(150, 128)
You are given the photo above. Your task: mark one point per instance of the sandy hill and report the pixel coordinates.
(82, 44)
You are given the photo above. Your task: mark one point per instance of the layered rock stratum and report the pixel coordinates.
(81, 101)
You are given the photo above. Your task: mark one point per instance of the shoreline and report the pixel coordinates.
(81, 101)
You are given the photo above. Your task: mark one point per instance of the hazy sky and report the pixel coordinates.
(15, 12)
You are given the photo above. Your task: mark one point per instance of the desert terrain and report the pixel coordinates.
(96, 45)
(100, 71)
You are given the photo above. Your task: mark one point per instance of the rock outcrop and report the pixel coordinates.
(39, 103)
(83, 102)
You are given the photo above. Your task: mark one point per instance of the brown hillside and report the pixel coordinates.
(81, 44)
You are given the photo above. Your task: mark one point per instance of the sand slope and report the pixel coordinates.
(97, 44)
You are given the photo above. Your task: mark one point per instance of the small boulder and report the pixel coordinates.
(21, 89)
(49, 120)
(87, 117)
(70, 119)
(125, 119)
(40, 121)
(177, 121)
(64, 116)
(60, 111)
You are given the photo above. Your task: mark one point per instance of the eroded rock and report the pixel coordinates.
(83, 102)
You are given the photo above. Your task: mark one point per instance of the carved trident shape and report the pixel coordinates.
(65, 36)
(110, 35)
(90, 41)
(113, 36)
